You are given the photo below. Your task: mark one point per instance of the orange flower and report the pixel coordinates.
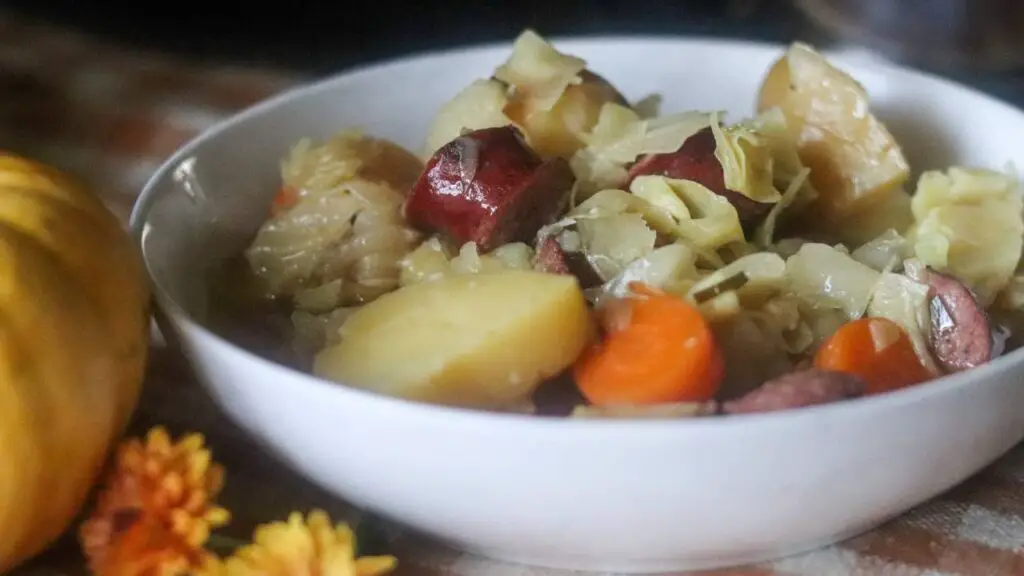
(299, 548)
(156, 510)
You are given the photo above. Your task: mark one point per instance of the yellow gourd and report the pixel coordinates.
(73, 340)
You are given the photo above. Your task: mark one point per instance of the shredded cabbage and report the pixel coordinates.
(610, 243)
(765, 275)
(594, 172)
(884, 253)
(613, 201)
(617, 134)
(828, 278)
(905, 302)
(774, 132)
(783, 317)
(288, 248)
(704, 218)
(721, 308)
(969, 224)
(428, 262)
(962, 186)
(477, 106)
(621, 135)
(764, 236)
(671, 268)
(512, 256)
(432, 261)
(747, 162)
(538, 71)
(322, 298)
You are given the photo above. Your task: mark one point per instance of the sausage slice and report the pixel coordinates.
(961, 334)
(489, 187)
(798, 390)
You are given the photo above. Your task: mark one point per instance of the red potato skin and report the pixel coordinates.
(695, 160)
(490, 188)
(961, 334)
(798, 390)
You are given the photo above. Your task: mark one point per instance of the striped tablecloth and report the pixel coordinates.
(109, 116)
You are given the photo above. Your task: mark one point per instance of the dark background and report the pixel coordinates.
(331, 34)
(327, 36)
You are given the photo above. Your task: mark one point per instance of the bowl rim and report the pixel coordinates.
(399, 407)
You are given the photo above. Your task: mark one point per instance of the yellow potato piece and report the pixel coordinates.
(854, 160)
(481, 341)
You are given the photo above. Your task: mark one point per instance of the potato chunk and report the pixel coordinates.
(854, 160)
(481, 341)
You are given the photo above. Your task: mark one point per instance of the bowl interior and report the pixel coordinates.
(207, 200)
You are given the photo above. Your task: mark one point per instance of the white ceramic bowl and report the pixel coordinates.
(609, 495)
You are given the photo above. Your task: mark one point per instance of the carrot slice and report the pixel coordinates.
(662, 350)
(876, 349)
(286, 197)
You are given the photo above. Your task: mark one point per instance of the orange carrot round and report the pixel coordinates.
(285, 198)
(662, 350)
(876, 349)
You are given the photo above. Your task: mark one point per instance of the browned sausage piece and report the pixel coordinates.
(489, 187)
(961, 335)
(695, 160)
(553, 259)
(798, 390)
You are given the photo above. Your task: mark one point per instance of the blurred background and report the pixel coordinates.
(321, 36)
(108, 89)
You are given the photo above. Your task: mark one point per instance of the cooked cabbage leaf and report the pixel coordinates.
(765, 275)
(905, 302)
(621, 135)
(969, 224)
(747, 162)
(704, 218)
(671, 268)
(614, 201)
(764, 236)
(610, 243)
(885, 252)
(477, 106)
(828, 278)
(432, 260)
(538, 71)
(288, 248)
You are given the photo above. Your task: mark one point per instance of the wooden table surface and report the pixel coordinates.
(110, 116)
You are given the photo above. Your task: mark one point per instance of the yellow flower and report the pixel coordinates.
(156, 510)
(300, 548)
